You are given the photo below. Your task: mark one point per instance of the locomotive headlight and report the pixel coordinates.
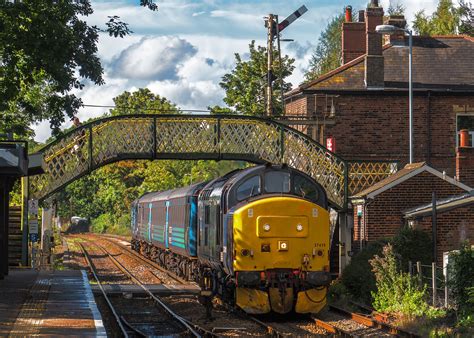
(266, 227)
(299, 227)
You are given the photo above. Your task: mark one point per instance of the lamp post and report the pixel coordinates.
(389, 30)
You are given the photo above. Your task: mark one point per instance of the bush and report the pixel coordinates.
(397, 291)
(461, 280)
(102, 223)
(358, 277)
(412, 245)
(408, 244)
(122, 226)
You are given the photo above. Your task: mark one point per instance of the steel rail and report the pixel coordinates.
(180, 319)
(331, 328)
(359, 318)
(146, 260)
(382, 322)
(109, 303)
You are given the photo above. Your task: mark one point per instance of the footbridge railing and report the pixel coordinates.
(187, 137)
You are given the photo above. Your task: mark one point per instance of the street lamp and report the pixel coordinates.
(390, 30)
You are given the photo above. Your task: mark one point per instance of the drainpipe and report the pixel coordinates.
(428, 155)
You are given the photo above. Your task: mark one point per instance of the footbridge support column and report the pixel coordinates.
(345, 239)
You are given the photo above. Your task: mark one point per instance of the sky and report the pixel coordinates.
(181, 51)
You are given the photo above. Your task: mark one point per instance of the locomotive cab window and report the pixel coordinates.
(277, 182)
(305, 188)
(249, 188)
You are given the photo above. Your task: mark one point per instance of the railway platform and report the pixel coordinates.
(52, 303)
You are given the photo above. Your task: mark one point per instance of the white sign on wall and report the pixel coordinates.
(33, 207)
(33, 226)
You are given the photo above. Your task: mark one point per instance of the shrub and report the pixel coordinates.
(461, 280)
(122, 226)
(358, 277)
(397, 291)
(412, 245)
(102, 223)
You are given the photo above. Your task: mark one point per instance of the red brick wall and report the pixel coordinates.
(384, 214)
(454, 227)
(465, 165)
(375, 125)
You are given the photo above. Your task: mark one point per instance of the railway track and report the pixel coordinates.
(145, 260)
(335, 321)
(170, 324)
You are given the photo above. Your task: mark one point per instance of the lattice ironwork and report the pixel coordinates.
(193, 137)
(363, 174)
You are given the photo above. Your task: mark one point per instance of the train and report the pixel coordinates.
(256, 237)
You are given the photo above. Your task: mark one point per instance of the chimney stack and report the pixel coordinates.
(465, 160)
(353, 37)
(374, 62)
(400, 22)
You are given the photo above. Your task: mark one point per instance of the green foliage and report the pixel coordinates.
(218, 110)
(412, 245)
(445, 20)
(396, 9)
(397, 291)
(142, 101)
(327, 54)
(467, 18)
(358, 277)
(47, 50)
(461, 280)
(408, 245)
(245, 86)
(101, 223)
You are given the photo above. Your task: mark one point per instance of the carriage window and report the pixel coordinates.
(305, 188)
(207, 214)
(249, 188)
(277, 181)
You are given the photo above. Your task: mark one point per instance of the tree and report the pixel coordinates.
(467, 18)
(245, 85)
(327, 54)
(446, 20)
(105, 195)
(142, 101)
(47, 50)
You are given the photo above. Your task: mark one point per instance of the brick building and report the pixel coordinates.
(363, 104)
(454, 222)
(379, 210)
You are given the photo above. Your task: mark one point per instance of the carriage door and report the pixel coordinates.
(149, 221)
(167, 204)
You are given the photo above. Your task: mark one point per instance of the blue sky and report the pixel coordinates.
(182, 50)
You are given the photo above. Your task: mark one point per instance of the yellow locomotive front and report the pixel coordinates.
(281, 255)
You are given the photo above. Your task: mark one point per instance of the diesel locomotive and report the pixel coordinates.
(257, 237)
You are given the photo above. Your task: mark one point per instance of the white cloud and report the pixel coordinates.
(189, 95)
(153, 58)
(182, 50)
(412, 7)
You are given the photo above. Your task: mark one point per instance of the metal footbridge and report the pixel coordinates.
(193, 137)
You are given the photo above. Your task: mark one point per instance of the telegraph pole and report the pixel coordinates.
(270, 27)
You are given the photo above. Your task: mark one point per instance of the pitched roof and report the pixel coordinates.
(432, 56)
(442, 205)
(402, 175)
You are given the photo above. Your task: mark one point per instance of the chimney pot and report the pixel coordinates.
(348, 13)
(374, 3)
(464, 138)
